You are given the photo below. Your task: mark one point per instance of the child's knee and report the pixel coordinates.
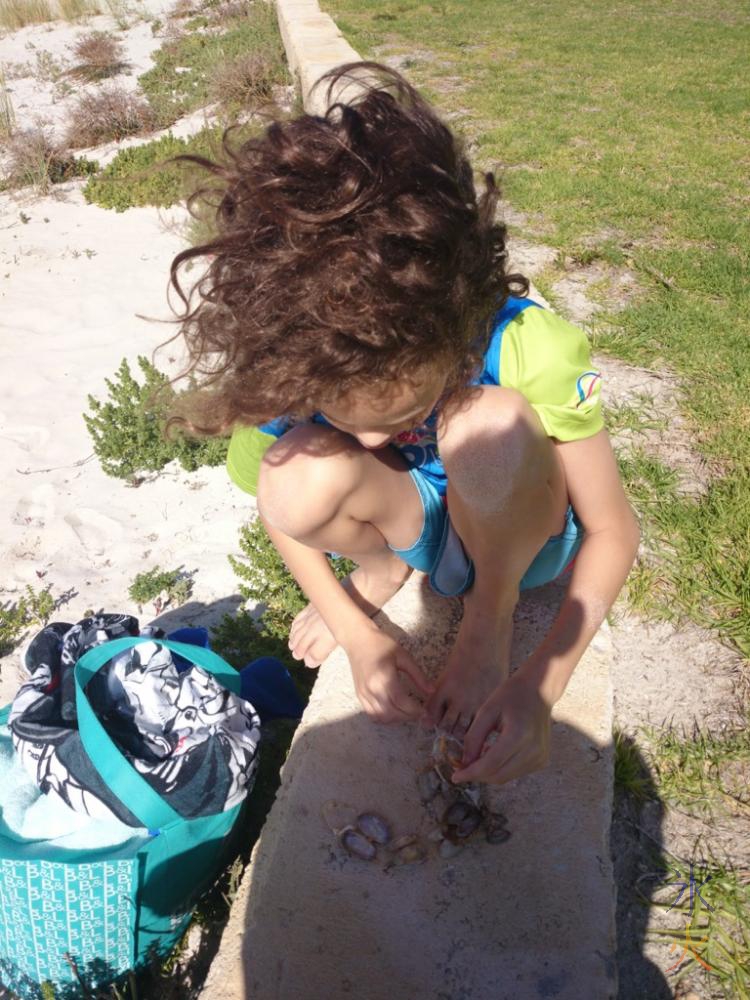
(303, 479)
(496, 446)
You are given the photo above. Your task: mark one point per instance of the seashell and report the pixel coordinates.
(448, 850)
(457, 812)
(410, 855)
(374, 827)
(357, 844)
(428, 783)
(403, 841)
(497, 834)
(472, 793)
(436, 835)
(471, 822)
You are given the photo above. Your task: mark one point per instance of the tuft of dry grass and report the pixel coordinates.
(244, 82)
(18, 13)
(99, 55)
(7, 114)
(35, 159)
(72, 10)
(110, 113)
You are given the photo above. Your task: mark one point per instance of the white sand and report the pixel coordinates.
(72, 279)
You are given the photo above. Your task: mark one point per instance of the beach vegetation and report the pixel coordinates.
(163, 588)
(141, 175)
(99, 55)
(16, 14)
(35, 159)
(247, 81)
(110, 114)
(185, 67)
(33, 607)
(74, 10)
(265, 579)
(127, 428)
(7, 113)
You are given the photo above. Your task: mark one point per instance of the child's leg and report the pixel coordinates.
(506, 496)
(320, 487)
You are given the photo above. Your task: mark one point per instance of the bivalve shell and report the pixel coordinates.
(356, 844)
(374, 827)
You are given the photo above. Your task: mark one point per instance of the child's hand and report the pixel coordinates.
(376, 661)
(522, 719)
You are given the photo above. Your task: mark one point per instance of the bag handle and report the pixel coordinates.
(114, 768)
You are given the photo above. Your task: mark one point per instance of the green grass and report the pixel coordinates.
(627, 136)
(172, 94)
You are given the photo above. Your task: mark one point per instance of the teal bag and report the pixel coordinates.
(115, 908)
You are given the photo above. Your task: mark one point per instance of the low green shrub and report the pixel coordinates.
(264, 578)
(127, 429)
(165, 588)
(139, 175)
(32, 608)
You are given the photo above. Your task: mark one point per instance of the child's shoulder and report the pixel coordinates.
(548, 359)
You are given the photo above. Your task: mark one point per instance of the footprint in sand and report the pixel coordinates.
(37, 508)
(96, 532)
(28, 437)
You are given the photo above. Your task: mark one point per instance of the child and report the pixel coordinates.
(395, 397)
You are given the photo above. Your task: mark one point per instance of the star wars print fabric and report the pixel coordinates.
(191, 739)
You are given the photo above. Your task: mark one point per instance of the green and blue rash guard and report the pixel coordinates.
(531, 349)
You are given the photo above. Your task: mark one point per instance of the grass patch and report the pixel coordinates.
(710, 932)
(139, 175)
(198, 54)
(7, 114)
(703, 770)
(36, 160)
(99, 55)
(16, 14)
(74, 10)
(111, 113)
(639, 158)
(632, 776)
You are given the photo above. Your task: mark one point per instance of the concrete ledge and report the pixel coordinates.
(531, 918)
(313, 45)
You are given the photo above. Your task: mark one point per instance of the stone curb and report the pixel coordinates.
(313, 46)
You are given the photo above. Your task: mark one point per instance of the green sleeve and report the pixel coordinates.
(549, 361)
(247, 447)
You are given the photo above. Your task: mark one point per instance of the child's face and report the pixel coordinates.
(375, 420)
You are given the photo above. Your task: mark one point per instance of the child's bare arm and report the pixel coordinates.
(520, 708)
(375, 659)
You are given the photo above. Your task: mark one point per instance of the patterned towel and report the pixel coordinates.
(192, 740)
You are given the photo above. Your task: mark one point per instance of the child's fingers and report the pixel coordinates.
(484, 722)
(406, 664)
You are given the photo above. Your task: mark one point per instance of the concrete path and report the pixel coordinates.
(531, 918)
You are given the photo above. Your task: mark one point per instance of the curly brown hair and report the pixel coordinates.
(350, 249)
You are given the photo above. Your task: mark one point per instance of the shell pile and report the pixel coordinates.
(370, 837)
(460, 812)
